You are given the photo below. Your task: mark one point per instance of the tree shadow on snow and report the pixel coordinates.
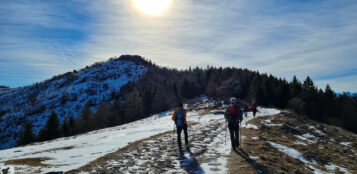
(257, 167)
(190, 164)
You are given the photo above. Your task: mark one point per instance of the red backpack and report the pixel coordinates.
(245, 107)
(234, 111)
(253, 107)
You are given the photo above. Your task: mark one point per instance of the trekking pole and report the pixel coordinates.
(240, 134)
(225, 134)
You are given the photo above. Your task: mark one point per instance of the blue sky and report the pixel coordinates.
(39, 39)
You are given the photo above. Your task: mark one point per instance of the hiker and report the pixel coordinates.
(253, 107)
(245, 109)
(233, 116)
(179, 117)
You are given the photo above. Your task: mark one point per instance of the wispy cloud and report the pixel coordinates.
(285, 38)
(38, 40)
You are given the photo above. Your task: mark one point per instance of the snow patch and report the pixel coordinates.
(289, 151)
(307, 137)
(255, 138)
(316, 130)
(300, 143)
(346, 143)
(315, 170)
(254, 157)
(333, 167)
(267, 122)
(250, 126)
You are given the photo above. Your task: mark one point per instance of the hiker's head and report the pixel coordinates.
(233, 100)
(180, 105)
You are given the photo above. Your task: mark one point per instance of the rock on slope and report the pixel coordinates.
(66, 94)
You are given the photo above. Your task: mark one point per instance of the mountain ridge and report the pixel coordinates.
(66, 94)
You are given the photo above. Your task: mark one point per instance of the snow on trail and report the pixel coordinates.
(73, 152)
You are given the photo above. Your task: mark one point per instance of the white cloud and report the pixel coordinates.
(303, 38)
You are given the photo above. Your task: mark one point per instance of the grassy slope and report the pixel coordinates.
(327, 148)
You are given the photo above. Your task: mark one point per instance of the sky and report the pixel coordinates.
(41, 38)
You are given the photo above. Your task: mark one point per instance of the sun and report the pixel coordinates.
(152, 7)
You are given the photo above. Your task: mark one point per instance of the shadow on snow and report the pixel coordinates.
(190, 164)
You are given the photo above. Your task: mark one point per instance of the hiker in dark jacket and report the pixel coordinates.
(253, 107)
(179, 117)
(234, 116)
(245, 109)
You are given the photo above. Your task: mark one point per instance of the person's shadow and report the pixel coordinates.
(257, 167)
(190, 164)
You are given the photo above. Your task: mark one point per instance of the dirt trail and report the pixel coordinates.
(160, 154)
(240, 160)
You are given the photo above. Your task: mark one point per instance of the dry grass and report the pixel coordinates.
(51, 150)
(323, 151)
(32, 162)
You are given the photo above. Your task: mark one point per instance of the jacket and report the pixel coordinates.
(174, 115)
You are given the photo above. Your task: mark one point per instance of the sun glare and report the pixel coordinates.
(152, 7)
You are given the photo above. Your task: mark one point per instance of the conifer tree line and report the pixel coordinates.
(161, 89)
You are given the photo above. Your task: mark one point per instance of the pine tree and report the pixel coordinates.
(72, 123)
(308, 86)
(133, 107)
(188, 89)
(65, 128)
(86, 119)
(253, 89)
(52, 129)
(295, 87)
(329, 92)
(27, 136)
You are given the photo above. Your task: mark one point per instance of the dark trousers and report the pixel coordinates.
(179, 130)
(234, 131)
(254, 112)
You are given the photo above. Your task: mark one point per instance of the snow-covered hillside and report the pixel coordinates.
(70, 153)
(65, 94)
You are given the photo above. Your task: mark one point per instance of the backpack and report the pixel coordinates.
(180, 118)
(234, 112)
(253, 107)
(245, 107)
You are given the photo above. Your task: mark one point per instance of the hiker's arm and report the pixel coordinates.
(173, 116)
(184, 112)
(226, 114)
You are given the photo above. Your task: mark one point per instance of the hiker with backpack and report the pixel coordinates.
(253, 107)
(245, 109)
(234, 116)
(179, 117)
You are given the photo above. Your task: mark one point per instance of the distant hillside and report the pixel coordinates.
(347, 94)
(66, 94)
